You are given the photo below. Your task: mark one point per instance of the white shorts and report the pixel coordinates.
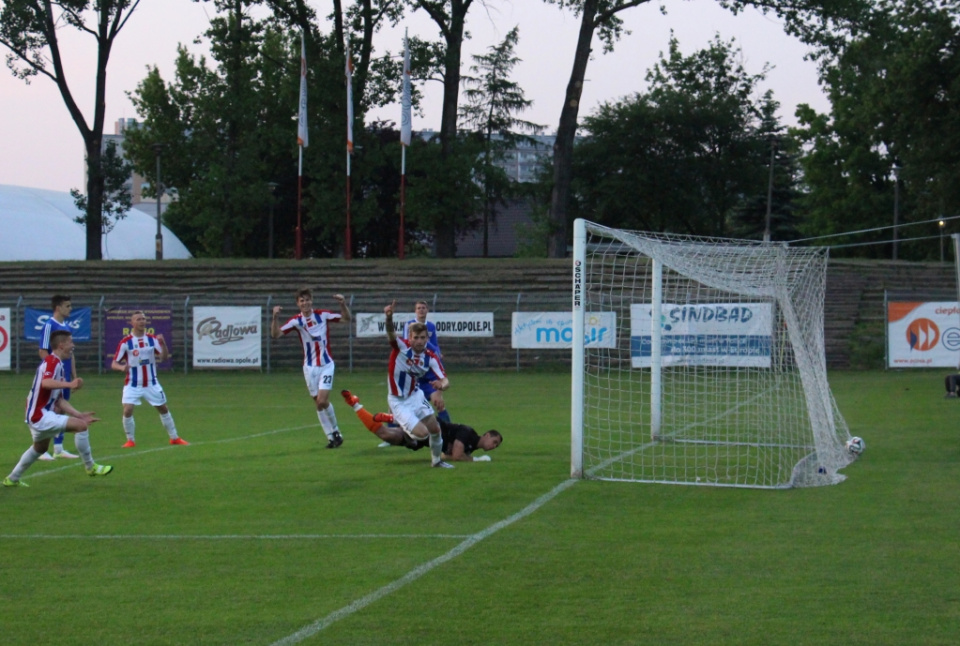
(49, 426)
(153, 394)
(408, 411)
(318, 378)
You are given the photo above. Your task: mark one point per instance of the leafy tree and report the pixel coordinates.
(492, 101)
(28, 29)
(894, 100)
(682, 157)
(814, 21)
(117, 200)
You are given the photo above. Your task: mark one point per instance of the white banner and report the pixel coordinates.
(704, 334)
(6, 337)
(555, 330)
(923, 335)
(472, 324)
(226, 337)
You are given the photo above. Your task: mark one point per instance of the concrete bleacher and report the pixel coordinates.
(854, 299)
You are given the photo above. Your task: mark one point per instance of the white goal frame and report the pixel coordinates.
(672, 407)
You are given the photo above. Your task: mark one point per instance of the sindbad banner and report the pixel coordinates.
(923, 335)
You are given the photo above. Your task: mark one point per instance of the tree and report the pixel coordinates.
(814, 21)
(894, 100)
(683, 157)
(117, 200)
(492, 100)
(28, 29)
(450, 16)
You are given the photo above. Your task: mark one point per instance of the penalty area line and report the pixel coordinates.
(320, 624)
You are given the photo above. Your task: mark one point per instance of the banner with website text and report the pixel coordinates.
(469, 324)
(227, 337)
(554, 330)
(923, 334)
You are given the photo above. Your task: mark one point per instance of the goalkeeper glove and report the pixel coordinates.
(482, 458)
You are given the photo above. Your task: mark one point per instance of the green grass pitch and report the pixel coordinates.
(255, 534)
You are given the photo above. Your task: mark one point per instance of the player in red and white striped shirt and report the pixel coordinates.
(409, 361)
(49, 414)
(312, 326)
(138, 354)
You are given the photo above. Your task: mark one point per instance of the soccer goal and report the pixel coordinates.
(701, 361)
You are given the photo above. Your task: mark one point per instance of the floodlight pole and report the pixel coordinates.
(273, 190)
(766, 230)
(158, 148)
(896, 207)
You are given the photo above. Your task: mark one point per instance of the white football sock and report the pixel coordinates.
(167, 420)
(29, 457)
(331, 418)
(129, 426)
(325, 423)
(436, 447)
(83, 446)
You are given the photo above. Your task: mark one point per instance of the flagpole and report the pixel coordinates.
(348, 71)
(303, 140)
(299, 244)
(403, 199)
(405, 138)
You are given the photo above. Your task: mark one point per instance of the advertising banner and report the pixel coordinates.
(227, 337)
(554, 330)
(116, 325)
(704, 334)
(78, 322)
(923, 335)
(470, 324)
(5, 336)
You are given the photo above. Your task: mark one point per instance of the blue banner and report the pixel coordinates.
(78, 322)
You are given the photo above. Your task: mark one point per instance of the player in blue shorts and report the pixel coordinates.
(62, 307)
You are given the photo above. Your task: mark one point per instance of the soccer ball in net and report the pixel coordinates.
(855, 445)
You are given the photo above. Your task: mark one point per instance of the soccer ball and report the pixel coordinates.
(855, 445)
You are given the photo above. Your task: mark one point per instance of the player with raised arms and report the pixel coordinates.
(312, 327)
(432, 394)
(409, 361)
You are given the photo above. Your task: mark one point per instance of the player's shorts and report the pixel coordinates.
(408, 411)
(153, 394)
(318, 378)
(49, 426)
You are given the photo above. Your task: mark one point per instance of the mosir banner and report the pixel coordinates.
(704, 334)
(227, 337)
(554, 330)
(475, 324)
(923, 335)
(5, 336)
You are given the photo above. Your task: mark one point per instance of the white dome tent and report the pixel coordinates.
(38, 224)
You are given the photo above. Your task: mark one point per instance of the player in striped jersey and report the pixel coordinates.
(61, 306)
(137, 355)
(312, 326)
(48, 413)
(434, 396)
(409, 361)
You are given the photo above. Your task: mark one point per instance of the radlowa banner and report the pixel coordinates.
(704, 334)
(227, 337)
(554, 330)
(923, 334)
(466, 324)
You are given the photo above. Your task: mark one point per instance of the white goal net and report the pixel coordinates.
(701, 361)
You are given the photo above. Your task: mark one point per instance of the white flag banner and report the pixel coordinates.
(405, 118)
(704, 334)
(923, 335)
(227, 337)
(554, 330)
(461, 324)
(349, 74)
(5, 336)
(302, 138)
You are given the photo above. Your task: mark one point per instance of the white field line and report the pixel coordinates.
(312, 629)
(224, 537)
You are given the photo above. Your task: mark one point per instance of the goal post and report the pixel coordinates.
(714, 371)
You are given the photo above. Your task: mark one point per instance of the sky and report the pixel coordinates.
(41, 147)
